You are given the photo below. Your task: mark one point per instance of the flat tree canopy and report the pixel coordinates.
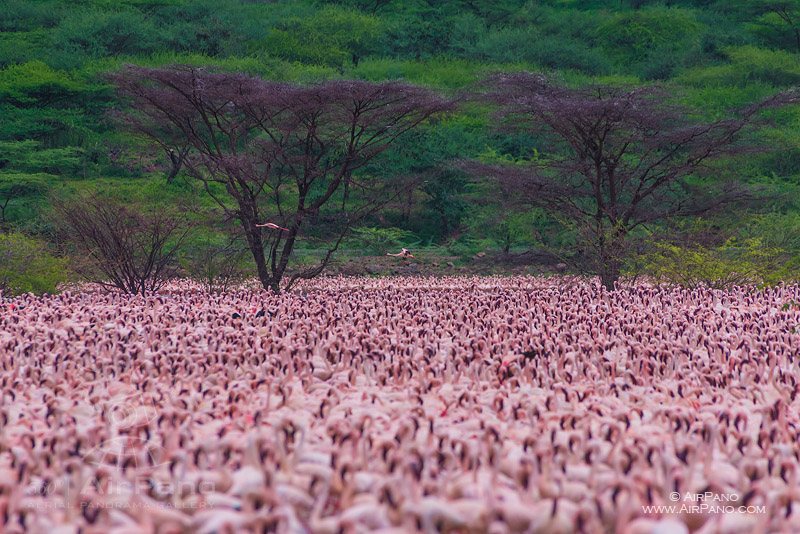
(623, 160)
(280, 151)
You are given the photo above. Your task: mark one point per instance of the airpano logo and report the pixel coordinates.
(707, 502)
(131, 469)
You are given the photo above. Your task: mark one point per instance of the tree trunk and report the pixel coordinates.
(267, 281)
(176, 160)
(797, 38)
(3, 216)
(256, 245)
(279, 269)
(611, 258)
(609, 273)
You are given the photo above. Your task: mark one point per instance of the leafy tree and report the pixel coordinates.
(21, 15)
(748, 66)
(86, 34)
(29, 156)
(657, 41)
(13, 187)
(419, 35)
(333, 36)
(369, 6)
(35, 83)
(273, 150)
(778, 20)
(623, 158)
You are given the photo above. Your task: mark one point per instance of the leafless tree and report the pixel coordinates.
(618, 158)
(280, 152)
(118, 246)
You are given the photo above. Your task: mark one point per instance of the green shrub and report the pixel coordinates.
(20, 15)
(334, 37)
(637, 33)
(86, 34)
(550, 51)
(380, 240)
(18, 190)
(736, 262)
(27, 266)
(748, 65)
(35, 83)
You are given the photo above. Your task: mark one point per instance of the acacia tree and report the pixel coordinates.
(133, 251)
(270, 151)
(15, 186)
(621, 158)
(779, 16)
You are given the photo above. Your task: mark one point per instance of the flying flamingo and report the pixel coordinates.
(404, 253)
(272, 226)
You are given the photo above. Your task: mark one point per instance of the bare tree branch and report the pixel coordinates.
(270, 143)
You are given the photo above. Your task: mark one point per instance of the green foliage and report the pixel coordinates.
(21, 15)
(736, 262)
(29, 156)
(636, 34)
(658, 40)
(777, 22)
(36, 83)
(85, 34)
(215, 261)
(713, 55)
(333, 36)
(748, 65)
(17, 190)
(380, 240)
(539, 36)
(19, 47)
(434, 72)
(27, 266)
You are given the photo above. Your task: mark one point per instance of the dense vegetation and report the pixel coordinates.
(60, 133)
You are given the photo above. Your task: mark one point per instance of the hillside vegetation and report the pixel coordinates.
(62, 133)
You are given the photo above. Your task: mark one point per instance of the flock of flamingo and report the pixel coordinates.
(463, 404)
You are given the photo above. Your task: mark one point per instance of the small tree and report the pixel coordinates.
(118, 246)
(269, 151)
(622, 158)
(779, 19)
(15, 186)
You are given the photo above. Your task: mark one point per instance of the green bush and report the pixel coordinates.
(654, 42)
(27, 266)
(35, 83)
(86, 34)
(334, 37)
(736, 262)
(635, 34)
(748, 65)
(550, 51)
(20, 15)
(380, 240)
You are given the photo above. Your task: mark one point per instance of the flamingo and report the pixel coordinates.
(404, 253)
(399, 405)
(272, 226)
